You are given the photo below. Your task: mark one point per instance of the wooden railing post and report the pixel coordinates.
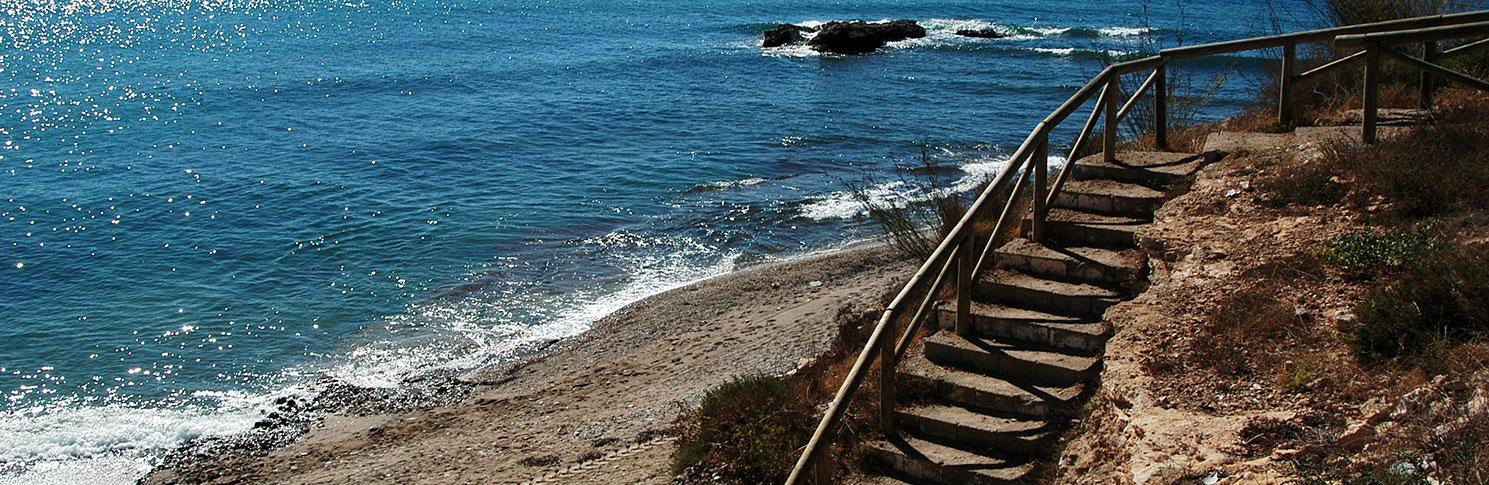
(966, 255)
(887, 363)
(1160, 109)
(1285, 85)
(1109, 139)
(1372, 91)
(822, 470)
(1039, 163)
(1429, 54)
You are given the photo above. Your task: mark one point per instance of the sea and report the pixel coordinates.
(208, 205)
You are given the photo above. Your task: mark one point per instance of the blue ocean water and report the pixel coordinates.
(208, 204)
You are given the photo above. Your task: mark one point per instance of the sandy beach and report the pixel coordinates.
(596, 408)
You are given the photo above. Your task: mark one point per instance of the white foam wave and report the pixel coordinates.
(844, 204)
(1059, 51)
(847, 205)
(467, 333)
(69, 443)
(1123, 31)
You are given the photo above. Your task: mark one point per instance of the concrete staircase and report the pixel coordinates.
(998, 400)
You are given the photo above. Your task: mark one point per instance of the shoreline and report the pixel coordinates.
(597, 405)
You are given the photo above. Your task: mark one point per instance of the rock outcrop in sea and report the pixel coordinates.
(855, 37)
(786, 34)
(980, 33)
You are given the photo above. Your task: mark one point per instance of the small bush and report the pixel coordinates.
(750, 428)
(1441, 300)
(1431, 171)
(1302, 185)
(1366, 251)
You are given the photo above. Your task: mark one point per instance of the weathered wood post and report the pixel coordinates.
(1109, 139)
(886, 380)
(1285, 84)
(822, 470)
(966, 256)
(1160, 108)
(1372, 91)
(1039, 163)
(1429, 54)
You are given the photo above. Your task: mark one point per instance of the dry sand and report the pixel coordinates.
(595, 409)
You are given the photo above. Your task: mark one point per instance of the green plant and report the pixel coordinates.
(749, 428)
(1441, 300)
(1365, 251)
(1296, 377)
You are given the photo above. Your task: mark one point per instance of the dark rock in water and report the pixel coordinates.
(858, 37)
(981, 34)
(786, 34)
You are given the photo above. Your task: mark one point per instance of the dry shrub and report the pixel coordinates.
(1304, 185)
(1426, 172)
(1246, 321)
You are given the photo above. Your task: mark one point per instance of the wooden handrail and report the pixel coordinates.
(957, 250)
(1321, 35)
(1388, 39)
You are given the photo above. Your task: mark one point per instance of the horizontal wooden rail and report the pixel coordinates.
(1321, 35)
(1413, 36)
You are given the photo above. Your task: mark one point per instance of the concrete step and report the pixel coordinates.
(1110, 197)
(1091, 229)
(1011, 361)
(932, 462)
(1058, 297)
(1153, 169)
(1072, 263)
(967, 427)
(1010, 323)
(994, 393)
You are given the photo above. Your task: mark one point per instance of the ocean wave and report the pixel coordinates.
(727, 184)
(1082, 53)
(63, 441)
(509, 318)
(846, 204)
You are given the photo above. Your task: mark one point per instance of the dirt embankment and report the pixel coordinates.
(1231, 367)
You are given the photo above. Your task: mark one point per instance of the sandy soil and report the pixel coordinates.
(595, 409)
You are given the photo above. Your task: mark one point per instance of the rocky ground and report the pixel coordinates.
(1230, 367)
